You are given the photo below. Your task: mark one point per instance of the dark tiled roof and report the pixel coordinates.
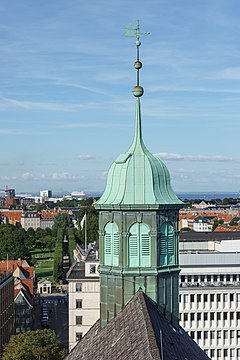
(139, 332)
(77, 272)
(196, 236)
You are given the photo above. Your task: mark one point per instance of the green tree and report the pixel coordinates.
(233, 223)
(34, 345)
(14, 243)
(215, 225)
(92, 224)
(39, 233)
(58, 256)
(62, 221)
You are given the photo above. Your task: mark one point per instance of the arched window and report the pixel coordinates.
(139, 246)
(166, 246)
(111, 244)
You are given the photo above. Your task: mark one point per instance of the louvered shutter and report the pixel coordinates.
(108, 248)
(111, 244)
(166, 247)
(115, 247)
(145, 246)
(133, 250)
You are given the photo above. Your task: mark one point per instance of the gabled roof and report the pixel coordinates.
(139, 332)
(25, 295)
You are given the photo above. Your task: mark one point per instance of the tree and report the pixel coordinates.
(34, 345)
(92, 224)
(14, 243)
(233, 223)
(62, 221)
(215, 225)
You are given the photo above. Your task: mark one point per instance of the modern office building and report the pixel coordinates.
(45, 195)
(210, 302)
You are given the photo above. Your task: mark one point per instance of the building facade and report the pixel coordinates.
(84, 297)
(30, 219)
(210, 302)
(7, 309)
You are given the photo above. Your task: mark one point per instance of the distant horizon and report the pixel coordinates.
(205, 195)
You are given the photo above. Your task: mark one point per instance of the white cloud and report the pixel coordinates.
(179, 157)
(231, 73)
(63, 176)
(84, 157)
(26, 176)
(92, 125)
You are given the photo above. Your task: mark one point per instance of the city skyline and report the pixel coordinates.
(66, 105)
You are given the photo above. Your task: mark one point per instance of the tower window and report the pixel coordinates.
(139, 246)
(167, 244)
(111, 245)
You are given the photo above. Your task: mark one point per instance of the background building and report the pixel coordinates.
(7, 313)
(84, 296)
(210, 302)
(30, 219)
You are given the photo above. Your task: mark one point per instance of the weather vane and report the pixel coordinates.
(134, 31)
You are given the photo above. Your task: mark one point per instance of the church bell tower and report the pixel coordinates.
(138, 225)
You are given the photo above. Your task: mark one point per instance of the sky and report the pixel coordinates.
(66, 104)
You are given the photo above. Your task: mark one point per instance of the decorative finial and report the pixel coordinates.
(134, 31)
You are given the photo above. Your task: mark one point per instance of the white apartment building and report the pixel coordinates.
(84, 297)
(202, 226)
(30, 219)
(210, 302)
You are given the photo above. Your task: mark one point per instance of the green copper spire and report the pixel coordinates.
(138, 225)
(137, 177)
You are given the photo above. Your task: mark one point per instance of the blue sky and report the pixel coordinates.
(66, 107)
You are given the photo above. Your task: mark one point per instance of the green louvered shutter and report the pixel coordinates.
(170, 245)
(111, 244)
(115, 246)
(145, 246)
(133, 247)
(108, 248)
(166, 246)
(139, 246)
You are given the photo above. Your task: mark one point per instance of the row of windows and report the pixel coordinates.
(225, 354)
(209, 278)
(192, 298)
(139, 245)
(212, 335)
(199, 316)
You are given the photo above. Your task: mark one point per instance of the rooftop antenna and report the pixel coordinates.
(135, 31)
